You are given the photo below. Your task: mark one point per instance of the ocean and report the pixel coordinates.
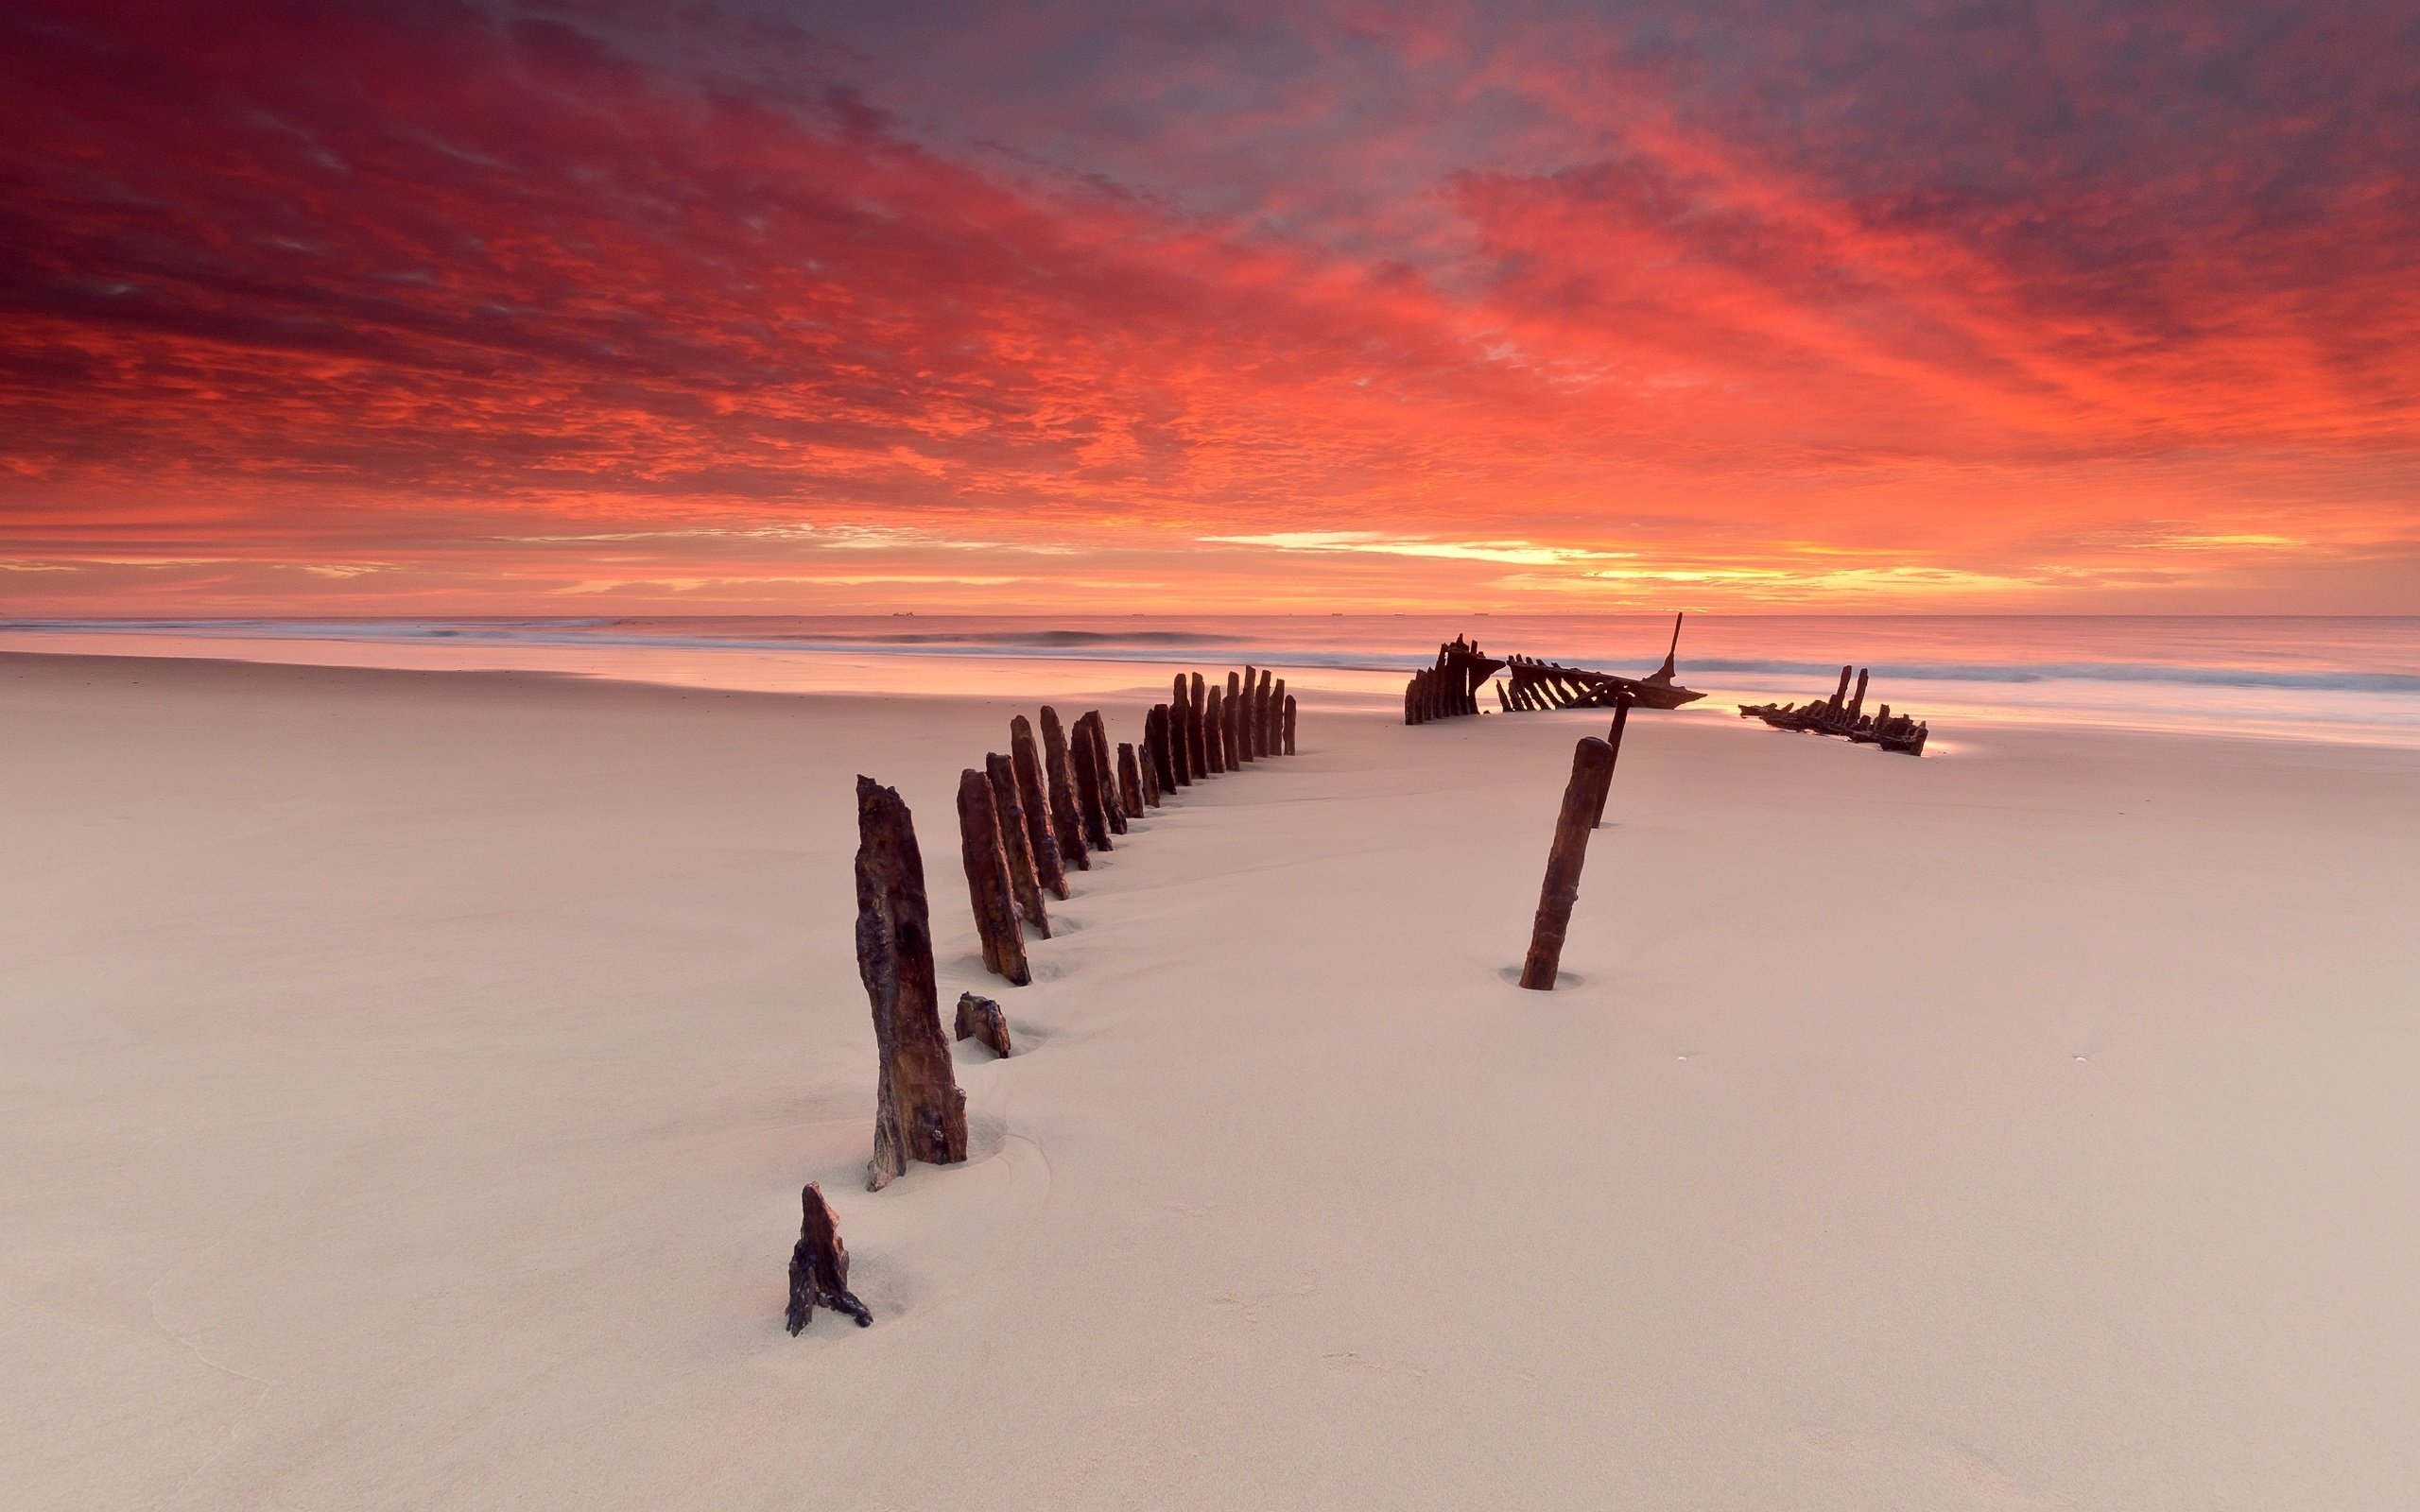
(2317, 678)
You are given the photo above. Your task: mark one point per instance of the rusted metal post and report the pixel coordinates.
(1614, 739)
(1032, 797)
(987, 879)
(918, 1112)
(1584, 797)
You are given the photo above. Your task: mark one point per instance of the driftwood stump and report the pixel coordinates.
(1064, 820)
(980, 845)
(819, 1266)
(1215, 731)
(919, 1114)
(1196, 740)
(1289, 724)
(1016, 843)
(1584, 797)
(1088, 795)
(1130, 780)
(980, 1019)
(1048, 869)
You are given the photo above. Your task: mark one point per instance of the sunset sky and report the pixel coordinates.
(1752, 304)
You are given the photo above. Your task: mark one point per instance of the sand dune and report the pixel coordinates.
(409, 1079)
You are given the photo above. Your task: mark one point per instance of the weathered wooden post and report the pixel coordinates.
(1196, 740)
(1130, 780)
(1238, 732)
(1289, 724)
(1016, 842)
(987, 879)
(1031, 790)
(980, 1020)
(1064, 820)
(1278, 718)
(1164, 754)
(1113, 803)
(919, 1114)
(1180, 742)
(1614, 740)
(1857, 700)
(1090, 813)
(1592, 763)
(819, 1266)
(1214, 728)
(1265, 727)
(1832, 709)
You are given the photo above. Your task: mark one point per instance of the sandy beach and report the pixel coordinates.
(409, 1079)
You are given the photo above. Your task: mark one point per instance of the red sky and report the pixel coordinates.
(1756, 303)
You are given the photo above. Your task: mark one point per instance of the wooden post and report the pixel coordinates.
(1164, 755)
(1065, 822)
(1238, 695)
(1614, 740)
(980, 1019)
(919, 1114)
(1857, 700)
(1147, 768)
(1196, 740)
(1584, 797)
(1113, 803)
(1278, 718)
(1016, 842)
(1243, 709)
(1130, 780)
(987, 879)
(1090, 813)
(1180, 749)
(1048, 866)
(1289, 724)
(1214, 731)
(819, 1266)
(1832, 710)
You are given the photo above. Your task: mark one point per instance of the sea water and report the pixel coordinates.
(2341, 679)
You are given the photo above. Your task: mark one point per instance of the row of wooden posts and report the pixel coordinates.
(1025, 820)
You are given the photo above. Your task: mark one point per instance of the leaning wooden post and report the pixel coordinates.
(1857, 700)
(1289, 724)
(1089, 812)
(987, 879)
(1164, 751)
(1065, 822)
(1197, 741)
(1583, 798)
(1832, 709)
(919, 1114)
(1130, 780)
(819, 1266)
(1113, 803)
(1016, 842)
(1031, 797)
(1621, 718)
(1214, 727)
